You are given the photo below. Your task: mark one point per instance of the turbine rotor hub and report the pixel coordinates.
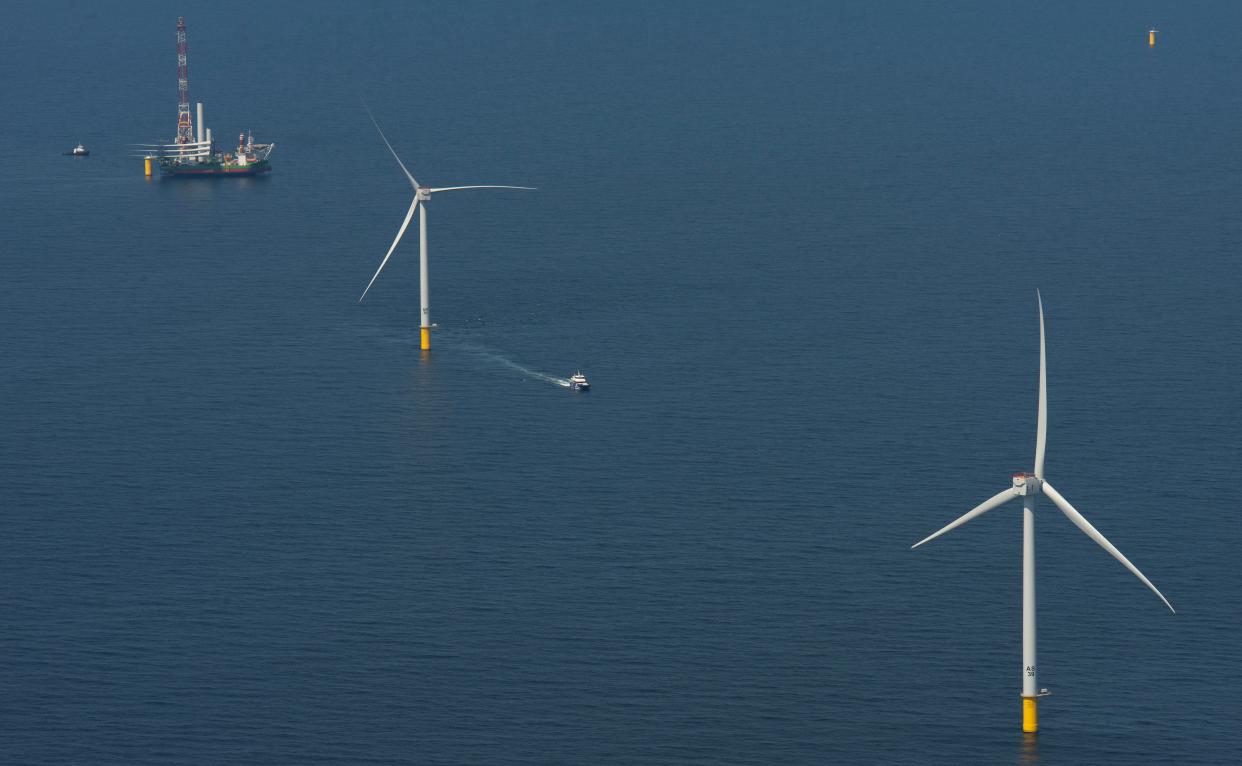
(424, 194)
(1027, 484)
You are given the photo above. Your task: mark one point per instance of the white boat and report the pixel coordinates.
(80, 151)
(578, 381)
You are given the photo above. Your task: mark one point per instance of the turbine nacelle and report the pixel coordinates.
(1025, 484)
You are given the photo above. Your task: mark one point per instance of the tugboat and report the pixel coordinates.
(79, 151)
(578, 382)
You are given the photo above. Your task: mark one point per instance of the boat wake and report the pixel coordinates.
(528, 372)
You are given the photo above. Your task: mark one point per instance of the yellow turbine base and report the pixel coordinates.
(425, 338)
(1030, 719)
(146, 169)
(1151, 39)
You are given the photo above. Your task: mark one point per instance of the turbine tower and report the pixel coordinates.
(422, 194)
(185, 124)
(1028, 486)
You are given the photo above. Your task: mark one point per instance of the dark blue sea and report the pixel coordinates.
(795, 247)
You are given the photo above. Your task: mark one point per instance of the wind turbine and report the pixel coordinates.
(422, 194)
(1028, 486)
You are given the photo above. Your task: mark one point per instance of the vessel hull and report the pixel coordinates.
(186, 170)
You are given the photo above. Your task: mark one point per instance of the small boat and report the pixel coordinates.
(79, 151)
(578, 382)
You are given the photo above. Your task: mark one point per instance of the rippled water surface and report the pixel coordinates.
(794, 246)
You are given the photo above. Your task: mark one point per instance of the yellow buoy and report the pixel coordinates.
(1151, 38)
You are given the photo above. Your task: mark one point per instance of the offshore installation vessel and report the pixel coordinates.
(194, 153)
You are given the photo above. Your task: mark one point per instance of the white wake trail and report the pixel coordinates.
(528, 372)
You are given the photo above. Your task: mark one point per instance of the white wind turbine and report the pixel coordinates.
(422, 194)
(1028, 486)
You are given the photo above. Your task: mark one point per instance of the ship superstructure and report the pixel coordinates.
(194, 153)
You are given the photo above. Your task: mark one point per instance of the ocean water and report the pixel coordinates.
(795, 246)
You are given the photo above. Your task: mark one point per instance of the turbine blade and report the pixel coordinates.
(394, 153)
(1094, 534)
(400, 233)
(1041, 427)
(458, 188)
(995, 501)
